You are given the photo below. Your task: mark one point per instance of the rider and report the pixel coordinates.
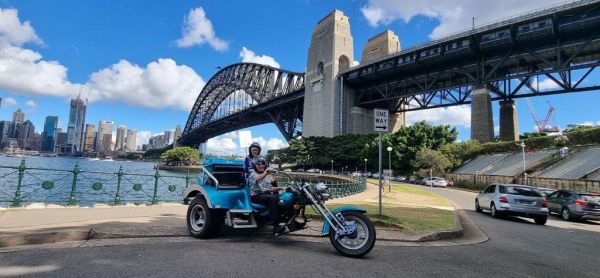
(253, 151)
(263, 191)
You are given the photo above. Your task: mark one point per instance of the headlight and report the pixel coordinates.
(320, 188)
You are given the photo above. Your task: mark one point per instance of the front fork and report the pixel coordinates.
(337, 222)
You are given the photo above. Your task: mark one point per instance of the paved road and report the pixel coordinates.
(516, 248)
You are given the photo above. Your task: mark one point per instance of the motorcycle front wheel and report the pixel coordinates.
(358, 243)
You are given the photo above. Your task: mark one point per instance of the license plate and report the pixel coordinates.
(525, 202)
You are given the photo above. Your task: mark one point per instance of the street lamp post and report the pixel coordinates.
(524, 167)
(366, 166)
(332, 166)
(389, 149)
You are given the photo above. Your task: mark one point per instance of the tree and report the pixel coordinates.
(427, 159)
(458, 153)
(179, 156)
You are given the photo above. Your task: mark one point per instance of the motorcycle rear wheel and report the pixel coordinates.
(361, 242)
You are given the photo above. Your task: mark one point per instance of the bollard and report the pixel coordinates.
(17, 200)
(120, 174)
(72, 200)
(154, 199)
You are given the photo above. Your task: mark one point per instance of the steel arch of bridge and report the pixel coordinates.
(276, 96)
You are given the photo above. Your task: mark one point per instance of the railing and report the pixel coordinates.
(72, 187)
(337, 187)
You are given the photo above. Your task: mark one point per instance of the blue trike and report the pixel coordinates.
(221, 196)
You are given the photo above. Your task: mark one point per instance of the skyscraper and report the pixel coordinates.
(120, 141)
(131, 140)
(169, 136)
(90, 136)
(104, 132)
(25, 134)
(75, 137)
(178, 132)
(18, 117)
(49, 135)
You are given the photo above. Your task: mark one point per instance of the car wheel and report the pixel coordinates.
(540, 220)
(477, 207)
(493, 211)
(566, 214)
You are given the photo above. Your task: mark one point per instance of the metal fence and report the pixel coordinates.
(337, 187)
(74, 186)
(22, 184)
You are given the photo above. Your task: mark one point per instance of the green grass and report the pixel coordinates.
(411, 216)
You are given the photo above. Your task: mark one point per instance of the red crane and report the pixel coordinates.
(549, 123)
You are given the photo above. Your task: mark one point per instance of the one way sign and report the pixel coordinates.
(381, 120)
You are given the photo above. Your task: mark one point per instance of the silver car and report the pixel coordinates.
(513, 199)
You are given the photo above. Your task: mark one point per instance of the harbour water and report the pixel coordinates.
(50, 180)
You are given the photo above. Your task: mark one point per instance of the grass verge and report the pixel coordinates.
(406, 208)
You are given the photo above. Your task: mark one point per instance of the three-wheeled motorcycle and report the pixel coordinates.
(221, 196)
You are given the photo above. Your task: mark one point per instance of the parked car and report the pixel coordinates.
(436, 181)
(313, 170)
(545, 191)
(514, 200)
(572, 205)
(420, 180)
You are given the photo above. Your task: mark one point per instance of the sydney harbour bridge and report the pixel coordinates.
(501, 61)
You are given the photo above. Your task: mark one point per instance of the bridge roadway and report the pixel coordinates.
(561, 44)
(516, 248)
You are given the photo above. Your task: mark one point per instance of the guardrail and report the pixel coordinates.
(337, 186)
(71, 187)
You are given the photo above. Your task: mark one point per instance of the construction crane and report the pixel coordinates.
(547, 125)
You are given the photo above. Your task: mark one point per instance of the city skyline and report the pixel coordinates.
(158, 64)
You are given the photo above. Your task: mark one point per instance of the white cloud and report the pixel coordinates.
(24, 72)
(31, 104)
(160, 84)
(453, 115)
(225, 144)
(248, 56)
(453, 15)
(270, 144)
(13, 32)
(9, 102)
(198, 30)
(143, 136)
(545, 84)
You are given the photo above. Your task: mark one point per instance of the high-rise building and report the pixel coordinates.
(75, 137)
(25, 134)
(18, 116)
(90, 136)
(61, 142)
(178, 132)
(104, 128)
(120, 140)
(131, 144)
(5, 128)
(169, 136)
(49, 134)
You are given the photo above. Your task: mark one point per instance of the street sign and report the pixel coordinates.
(381, 120)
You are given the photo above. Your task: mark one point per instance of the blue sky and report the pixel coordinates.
(142, 63)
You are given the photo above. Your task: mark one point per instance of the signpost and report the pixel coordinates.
(381, 121)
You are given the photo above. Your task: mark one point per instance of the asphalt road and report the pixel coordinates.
(516, 248)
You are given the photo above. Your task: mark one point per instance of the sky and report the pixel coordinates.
(143, 63)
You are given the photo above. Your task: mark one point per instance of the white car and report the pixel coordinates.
(436, 181)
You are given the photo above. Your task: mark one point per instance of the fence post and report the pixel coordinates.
(120, 174)
(17, 200)
(187, 179)
(72, 200)
(156, 177)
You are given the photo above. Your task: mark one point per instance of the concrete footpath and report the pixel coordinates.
(25, 226)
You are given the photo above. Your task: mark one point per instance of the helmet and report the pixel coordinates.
(254, 145)
(258, 160)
